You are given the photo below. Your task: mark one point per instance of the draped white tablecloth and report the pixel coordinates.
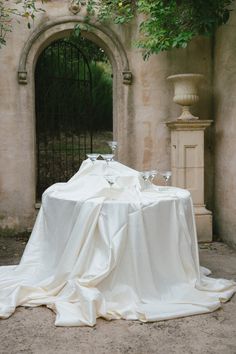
(123, 252)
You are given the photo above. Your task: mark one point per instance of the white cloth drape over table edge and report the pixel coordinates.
(124, 252)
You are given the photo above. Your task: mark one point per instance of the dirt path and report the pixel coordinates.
(32, 330)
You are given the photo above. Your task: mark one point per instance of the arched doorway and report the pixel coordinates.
(67, 102)
(40, 38)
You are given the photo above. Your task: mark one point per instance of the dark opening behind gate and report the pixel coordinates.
(64, 112)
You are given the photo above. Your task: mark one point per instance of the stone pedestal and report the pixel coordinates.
(187, 165)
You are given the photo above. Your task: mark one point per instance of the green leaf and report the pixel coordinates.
(77, 30)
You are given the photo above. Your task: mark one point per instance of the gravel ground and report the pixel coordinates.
(32, 330)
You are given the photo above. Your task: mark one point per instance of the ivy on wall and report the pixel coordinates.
(165, 24)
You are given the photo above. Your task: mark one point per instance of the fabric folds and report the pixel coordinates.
(128, 251)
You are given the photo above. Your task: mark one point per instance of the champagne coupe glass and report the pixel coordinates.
(93, 157)
(166, 175)
(152, 175)
(111, 179)
(145, 176)
(113, 146)
(107, 157)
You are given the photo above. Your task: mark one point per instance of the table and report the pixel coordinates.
(128, 252)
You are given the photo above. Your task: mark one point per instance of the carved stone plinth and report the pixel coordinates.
(187, 165)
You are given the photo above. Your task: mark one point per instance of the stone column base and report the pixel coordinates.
(203, 219)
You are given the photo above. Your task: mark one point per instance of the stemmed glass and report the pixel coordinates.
(145, 175)
(113, 145)
(93, 157)
(107, 157)
(166, 175)
(148, 176)
(152, 175)
(111, 179)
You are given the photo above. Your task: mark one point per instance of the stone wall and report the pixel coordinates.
(140, 109)
(225, 128)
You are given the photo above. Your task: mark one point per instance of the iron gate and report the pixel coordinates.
(63, 86)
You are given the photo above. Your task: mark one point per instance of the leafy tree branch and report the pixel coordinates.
(166, 24)
(10, 10)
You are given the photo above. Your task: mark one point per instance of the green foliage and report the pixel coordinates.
(5, 22)
(167, 23)
(23, 8)
(172, 24)
(101, 73)
(88, 48)
(67, 98)
(102, 96)
(119, 11)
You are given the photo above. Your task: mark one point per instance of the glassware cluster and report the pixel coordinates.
(148, 176)
(107, 157)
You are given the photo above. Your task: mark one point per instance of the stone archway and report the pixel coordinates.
(105, 38)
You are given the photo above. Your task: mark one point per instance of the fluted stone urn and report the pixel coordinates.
(186, 92)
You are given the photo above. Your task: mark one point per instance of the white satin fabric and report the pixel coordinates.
(123, 252)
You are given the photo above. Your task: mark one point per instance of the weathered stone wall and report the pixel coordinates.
(225, 129)
(139, 115)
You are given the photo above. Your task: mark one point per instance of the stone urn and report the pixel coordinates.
(186, 92)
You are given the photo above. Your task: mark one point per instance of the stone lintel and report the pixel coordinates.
(201, 210)
(193, 124)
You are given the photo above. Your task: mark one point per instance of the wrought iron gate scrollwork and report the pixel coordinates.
(63, 91)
